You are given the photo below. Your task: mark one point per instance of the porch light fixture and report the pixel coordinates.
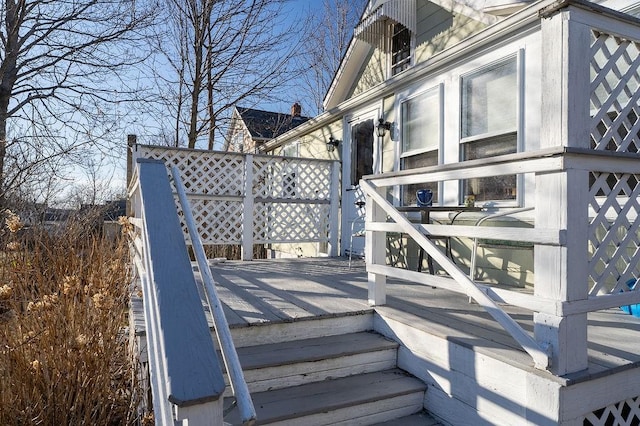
(382, 127)
(332, 144)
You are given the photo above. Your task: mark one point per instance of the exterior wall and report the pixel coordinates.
(441, 29)
(438, 29)
(372, 73)
(437, 38)
(390, 142)
(497, 263)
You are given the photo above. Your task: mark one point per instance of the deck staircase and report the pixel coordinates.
(326, 371)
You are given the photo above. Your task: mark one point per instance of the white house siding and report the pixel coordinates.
(373, 73)
(439, 28)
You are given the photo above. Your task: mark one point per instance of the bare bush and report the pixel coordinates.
(64, 355)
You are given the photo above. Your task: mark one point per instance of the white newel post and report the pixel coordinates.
(562, 198)
(247, 211)
(375, 251)
(334, 209)
(208, 413)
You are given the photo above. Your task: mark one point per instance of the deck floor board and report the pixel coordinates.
(278, 290)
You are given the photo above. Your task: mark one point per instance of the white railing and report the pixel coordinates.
(248, 199)
(185, 375)
(583, 180)
(382, 218)
(230, 356)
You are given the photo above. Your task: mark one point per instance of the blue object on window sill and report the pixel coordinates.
(632, 309)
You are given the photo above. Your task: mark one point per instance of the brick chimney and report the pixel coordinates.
(296, 110)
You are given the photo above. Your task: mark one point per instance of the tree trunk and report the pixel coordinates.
(210, 111)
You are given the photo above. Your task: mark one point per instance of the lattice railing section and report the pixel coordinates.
(291, 222)
(218, 221)
(615, 125)
(615, 107)
(294, 178)
(614, 237)
(623, 413)
(202, 172)
(290, 196)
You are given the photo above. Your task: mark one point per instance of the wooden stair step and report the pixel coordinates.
(279, 365)
(310, 350)
(370, 398)
(302, 328)
(419, 419)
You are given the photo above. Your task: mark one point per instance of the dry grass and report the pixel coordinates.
(63, 311)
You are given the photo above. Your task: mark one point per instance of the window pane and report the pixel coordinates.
(415, 161)
(400, 49)
(491, 188)
(489, 100)
(290, 150)
(421, 122)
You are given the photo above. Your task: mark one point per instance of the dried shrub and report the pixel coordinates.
(64, 355)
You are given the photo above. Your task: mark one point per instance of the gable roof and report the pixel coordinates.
(267, 124)
(367, 38)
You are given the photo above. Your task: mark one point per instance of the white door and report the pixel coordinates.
(360, 158)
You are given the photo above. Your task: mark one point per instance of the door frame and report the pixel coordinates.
(349, 194)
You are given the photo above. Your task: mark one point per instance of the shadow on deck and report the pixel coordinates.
(287, 290)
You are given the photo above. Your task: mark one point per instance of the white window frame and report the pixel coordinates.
(406, 96)
(294, 146)
(518, 56)
(412, 51)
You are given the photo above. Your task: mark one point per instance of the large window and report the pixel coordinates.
(400, 48)
(490, 99)
(421, 116)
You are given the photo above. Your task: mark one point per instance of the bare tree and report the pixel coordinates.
(219, 53)
(328, 37)
(63, 66)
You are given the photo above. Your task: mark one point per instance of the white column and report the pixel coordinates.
(375, 251)
(561, 198)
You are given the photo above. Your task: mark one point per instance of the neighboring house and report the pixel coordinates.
(251, 128)
(452, 82)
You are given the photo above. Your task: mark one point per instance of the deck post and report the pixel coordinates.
(209, 413)
(562, 198)
(247, 211)
(334, 209)
(375, 251)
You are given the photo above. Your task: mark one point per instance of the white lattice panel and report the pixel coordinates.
(212, 173)
(623, 413)
(218, 221)
(614, 235)
(615, 124)
(291, 222)
(615, 80)
(216, 182)
(295, 178)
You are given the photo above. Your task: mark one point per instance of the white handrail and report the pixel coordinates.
(540, 355)
(229, 354)
(170, 296)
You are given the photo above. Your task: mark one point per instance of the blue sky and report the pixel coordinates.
(297, 10)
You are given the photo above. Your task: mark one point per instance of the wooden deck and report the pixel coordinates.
(286, 290)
